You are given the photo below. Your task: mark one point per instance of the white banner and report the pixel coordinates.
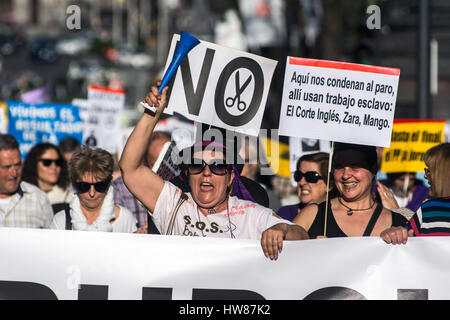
(84, 265)
(221, 86)
(338, 101)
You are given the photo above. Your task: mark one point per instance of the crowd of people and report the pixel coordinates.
(72, 187)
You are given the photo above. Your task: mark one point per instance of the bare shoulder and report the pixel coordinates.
(306, 216)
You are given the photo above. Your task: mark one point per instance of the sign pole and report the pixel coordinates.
(328, 189)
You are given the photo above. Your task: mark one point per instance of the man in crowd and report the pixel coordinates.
(22, 204)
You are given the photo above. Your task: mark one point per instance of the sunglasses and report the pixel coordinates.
(48, 162)
(310, 176)
(219, 169)
(84, 187)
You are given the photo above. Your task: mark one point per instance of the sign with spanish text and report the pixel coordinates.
(102, 126)
(43, 122)
(81, 265)
(221, 86)
(410, 140)
(338, 101)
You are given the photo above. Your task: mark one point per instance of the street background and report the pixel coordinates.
(124, 44)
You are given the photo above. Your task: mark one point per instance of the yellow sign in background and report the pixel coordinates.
(409, 142)
(278, 156)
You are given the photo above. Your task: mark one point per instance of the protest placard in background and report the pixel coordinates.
(221, 86)
(411, 138)
(3, 118)
(338, 101)
(299, 147)
(102, 128)
(44, 122)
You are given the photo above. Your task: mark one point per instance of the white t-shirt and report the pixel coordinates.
(246, 219)
(126, 222)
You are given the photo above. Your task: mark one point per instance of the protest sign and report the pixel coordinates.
(83, 107)
(71, 265)
(102, 128)
(221, 86)
(46, 122)
(167, 165)
(409, 142)
(182, 132)
(338, 101)
(3, 117)
(299, 147)
(277, 155)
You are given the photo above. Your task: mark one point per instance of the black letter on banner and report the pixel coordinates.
(156, 293)
(335, 293)
(223, 294)
(194, 97)
(92, 292)
(18, 290)
(412, 294)
(252, 109)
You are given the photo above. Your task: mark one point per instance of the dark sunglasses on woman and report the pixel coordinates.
(48, 162)
(83, 187)
(219, 169)
(310, 176)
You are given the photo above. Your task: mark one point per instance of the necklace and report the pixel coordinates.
(212, 211)
(350, 210)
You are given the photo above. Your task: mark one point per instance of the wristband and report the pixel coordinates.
(150, 110)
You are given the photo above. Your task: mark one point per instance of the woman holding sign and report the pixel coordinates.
(354, 212)
(432, 217)
(207, 210)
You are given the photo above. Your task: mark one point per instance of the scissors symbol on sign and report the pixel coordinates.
(230, 101)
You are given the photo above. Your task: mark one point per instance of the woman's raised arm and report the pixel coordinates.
(142, 182)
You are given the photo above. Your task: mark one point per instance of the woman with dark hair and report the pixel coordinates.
(311, 178)
(354, 211)
(432, 218)
(92, 208)
(45, 167)
(208, 210)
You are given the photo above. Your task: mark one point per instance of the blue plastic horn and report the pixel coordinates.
(187, 42)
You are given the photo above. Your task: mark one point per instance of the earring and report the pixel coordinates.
(229, 189)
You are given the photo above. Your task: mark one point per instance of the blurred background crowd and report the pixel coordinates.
(124, 44)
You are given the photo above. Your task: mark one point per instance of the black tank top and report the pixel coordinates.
(333, 230)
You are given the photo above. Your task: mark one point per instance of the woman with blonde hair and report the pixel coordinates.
(432, 218)
(93, 209)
